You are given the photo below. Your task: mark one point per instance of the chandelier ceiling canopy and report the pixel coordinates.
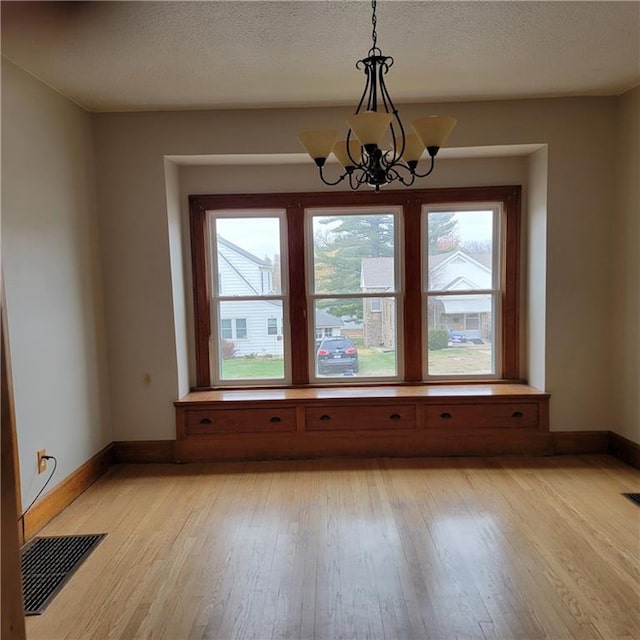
(377, 151)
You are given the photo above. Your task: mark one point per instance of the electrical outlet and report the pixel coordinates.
(42, 461)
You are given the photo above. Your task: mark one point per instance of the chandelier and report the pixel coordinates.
(376, 150)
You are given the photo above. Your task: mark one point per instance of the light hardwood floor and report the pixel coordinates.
(444, 549)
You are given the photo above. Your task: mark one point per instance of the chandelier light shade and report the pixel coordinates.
(377, 151)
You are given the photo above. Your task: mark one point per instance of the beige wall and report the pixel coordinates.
(51, 266)
(571, 300)
(625, 317)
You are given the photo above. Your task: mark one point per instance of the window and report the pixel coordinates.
(243, 259)
(226, 328)
(422, 284)
(461, 277)
(352, 253)
(272, 326)
(233, 328)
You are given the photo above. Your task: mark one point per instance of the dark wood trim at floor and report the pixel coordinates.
(577, 442)
(144, 451)
(624, 449)
(52, 503)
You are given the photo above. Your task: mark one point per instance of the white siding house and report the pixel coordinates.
(255, 326)
(469, 316)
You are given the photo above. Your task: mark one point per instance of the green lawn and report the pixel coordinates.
(373, 363)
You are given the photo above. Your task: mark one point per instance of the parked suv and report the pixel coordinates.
(337, 354)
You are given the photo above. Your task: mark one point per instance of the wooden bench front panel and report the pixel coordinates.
(516, 415)
(360, 417)
(202, 422)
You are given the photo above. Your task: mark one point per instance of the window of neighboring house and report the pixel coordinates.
(226, 328)
(289, 263)
(241, 328)
(233, 328)
(272, 326)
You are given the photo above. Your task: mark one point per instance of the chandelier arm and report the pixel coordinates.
(373, 86)
(357, 162)
(331, 184)
(362, 178)
(366, 84)
(395, 175)
(412, 176)
(424, 175)
(391, 108)
(354, 186)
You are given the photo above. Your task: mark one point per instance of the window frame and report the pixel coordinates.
(356, 209)
(495, 290)
(215, 297)
(294, 279)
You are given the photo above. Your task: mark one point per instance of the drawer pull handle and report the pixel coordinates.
(206, 421)
(445, 416)
(517, 414)
(275, 419)
(394, 416)
(324, 416)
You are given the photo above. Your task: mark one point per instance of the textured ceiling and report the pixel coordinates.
(111, 56)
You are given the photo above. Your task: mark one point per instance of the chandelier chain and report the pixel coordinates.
(374, 21)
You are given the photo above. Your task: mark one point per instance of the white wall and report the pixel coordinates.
(534, 278)
(577, 352)
(52, 277)
(625, 285)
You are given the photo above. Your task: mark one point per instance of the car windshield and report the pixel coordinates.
(336, 344)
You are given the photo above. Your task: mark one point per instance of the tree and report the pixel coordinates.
(338, 250)
(442, 233)
(477, 246)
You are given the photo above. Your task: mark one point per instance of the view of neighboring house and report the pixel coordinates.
(466, 315)
(378, 314)
(255, 326)
(327, 325)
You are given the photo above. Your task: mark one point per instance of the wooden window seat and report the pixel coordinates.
(399, 420)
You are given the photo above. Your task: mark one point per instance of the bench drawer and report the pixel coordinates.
(215, 421)
(523, 415)
(360, 417)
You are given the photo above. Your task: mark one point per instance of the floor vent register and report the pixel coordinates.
(47, 563)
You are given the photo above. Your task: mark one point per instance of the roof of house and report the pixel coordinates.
(242, 252)
(377, 273)
(326, 320)
(483, 258)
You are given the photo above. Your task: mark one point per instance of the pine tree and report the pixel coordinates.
(338, 252)
(442, 236)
